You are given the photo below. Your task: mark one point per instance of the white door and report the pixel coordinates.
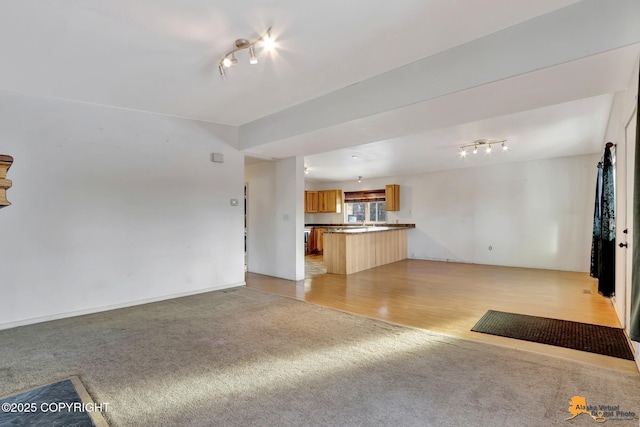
(630, 146)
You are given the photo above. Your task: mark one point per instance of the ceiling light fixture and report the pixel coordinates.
(360, 178)
(229, 61)
(252, 56)
(306, 170)
(229, 58)
(486, 143)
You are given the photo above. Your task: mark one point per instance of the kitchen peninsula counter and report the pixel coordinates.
(360, 225)
(349, 248)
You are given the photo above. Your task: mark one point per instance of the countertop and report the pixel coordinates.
(359, 228)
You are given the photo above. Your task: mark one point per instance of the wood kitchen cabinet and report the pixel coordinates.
(392, 196)
(310, 201)
(330, 201)
(316, 240)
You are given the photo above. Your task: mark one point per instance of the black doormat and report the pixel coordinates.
(561, 333)
(64, 403)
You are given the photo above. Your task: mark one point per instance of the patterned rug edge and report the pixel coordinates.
(96, 417)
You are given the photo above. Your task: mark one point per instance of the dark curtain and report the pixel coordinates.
(603, 246)
(597, 215)
(634, 327)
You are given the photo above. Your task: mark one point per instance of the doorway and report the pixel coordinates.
(245, 227)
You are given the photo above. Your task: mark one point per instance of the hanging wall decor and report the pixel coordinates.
(5, 184)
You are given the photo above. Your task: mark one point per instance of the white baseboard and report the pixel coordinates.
(620, 315)
(92, 310)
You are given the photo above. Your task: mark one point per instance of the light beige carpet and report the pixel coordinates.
(244, 358)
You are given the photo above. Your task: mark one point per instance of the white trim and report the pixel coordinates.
(629, 251)
(621, 317)
(631, 115)
(93, 310)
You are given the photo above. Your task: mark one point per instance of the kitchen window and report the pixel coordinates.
(365, 206)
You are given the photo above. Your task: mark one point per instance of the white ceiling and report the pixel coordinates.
(161, 56)
(571, 128)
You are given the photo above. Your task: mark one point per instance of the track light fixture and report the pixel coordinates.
(360, 178)
(486, 143)
(229, 58)
(306, 170)
(252, 56)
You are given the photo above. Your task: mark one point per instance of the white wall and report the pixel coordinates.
(275, 218)
(113, 207)
(535, 214)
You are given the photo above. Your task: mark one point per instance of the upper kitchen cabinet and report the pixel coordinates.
(311, 201)
(330, 201)
(392, 196)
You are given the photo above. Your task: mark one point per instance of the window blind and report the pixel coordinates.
(364, 196)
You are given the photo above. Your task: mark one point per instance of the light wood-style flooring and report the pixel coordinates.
(450, 298)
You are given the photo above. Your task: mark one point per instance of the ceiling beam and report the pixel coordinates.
(580, 30)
